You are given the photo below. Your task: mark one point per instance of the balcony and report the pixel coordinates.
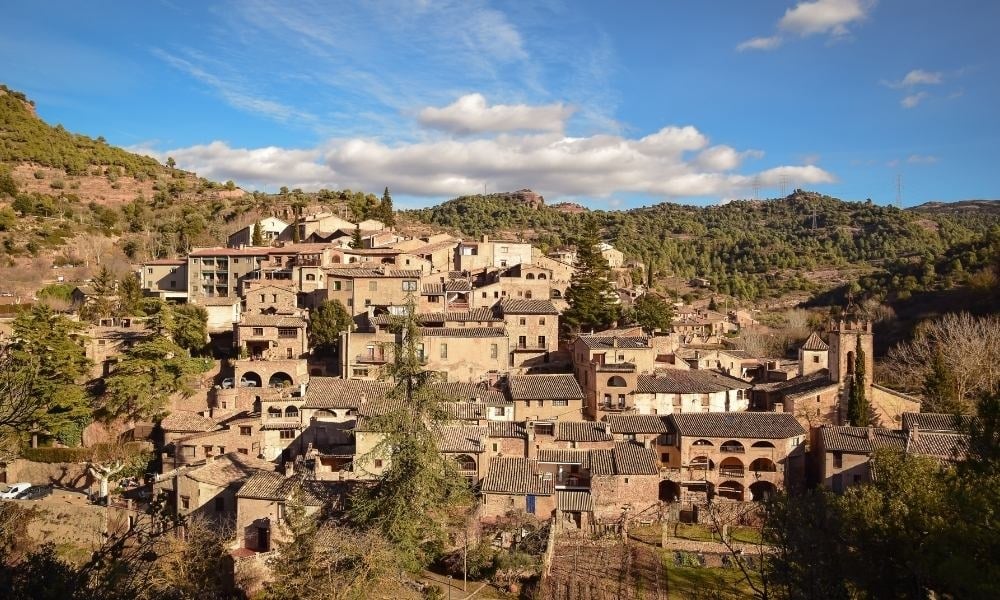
(572, 480)
(732, 449)
(370, 359)
(731, 472)
(530, 348)
(615, 408)
(615, 368)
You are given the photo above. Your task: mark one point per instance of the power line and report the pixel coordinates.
(756, 188)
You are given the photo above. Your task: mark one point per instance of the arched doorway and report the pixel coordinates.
(763, 465)
(761, 491)
(670, 491)
(731, 490)
(280, 380)
(250, 379)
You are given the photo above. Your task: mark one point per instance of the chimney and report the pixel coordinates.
(868, 433)
(915, 432)
(779, 407)
(486, 238)
(532, 450)
(289, 468)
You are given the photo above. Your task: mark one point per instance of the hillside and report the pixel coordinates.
(752, 250)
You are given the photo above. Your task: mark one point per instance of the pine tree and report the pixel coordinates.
(258, 234)
(939, 389)
(386, 214)
(591, 295)
(356, 241)
(296, 238)
(412, 499)
(857, 402)
(326, 322)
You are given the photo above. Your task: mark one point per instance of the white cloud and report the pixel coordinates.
(917, 77)
(824, 16)
(760, 43)
(811, 18)
(912, 100)
(672, 162)
(471, 114)
(922, 159)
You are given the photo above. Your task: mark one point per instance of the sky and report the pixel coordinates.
(608, 104)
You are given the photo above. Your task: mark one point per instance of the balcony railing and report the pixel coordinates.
(732, 449)
(615, 408)
(616, 367)
(731, 472)
(373, 359)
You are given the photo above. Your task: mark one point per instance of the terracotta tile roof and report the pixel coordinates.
(333, 392)
(636, 424)
(860, 440)
(172, 262)
(183, 420)
(271, 321)
(275, 486)
(462, 439)
(354, 273)
(941, 422)
(229, 468)
(544, 387)
(463, 332)
(633, 459)
(465, 411)
(452, 285)
(814, 343)
(818, 379)
(760, 425)
(946, 446)
(565, 457)
(218, 301)
(281, 425)
(516, 476)
(574, 501)
(582, 431)
(466, 391)
(476, 315)
(601, 342)
(674, 381)
(507, 429)
(519, 306)
(602, 462)
(198, 252)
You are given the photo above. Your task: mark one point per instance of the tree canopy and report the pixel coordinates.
(591, 295)
(326, 322)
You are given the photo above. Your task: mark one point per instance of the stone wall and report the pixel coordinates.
(72, 476)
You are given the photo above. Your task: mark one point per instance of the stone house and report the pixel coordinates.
(191, 438)
(472, 256)
(445, 295)
(842, 453)
(282, 427)
(533, 329)
(649, 431)
(464, 353)
(614, 257)
(675, 391)
(270, 229)
(214, 272)
(515, 483)
(545, 397)
(624, 479)
(208, 489)
(165, 278)
(467, 446)
(607, 367)
(362, 288)
(262, 504)
(104, 344)
(223, 312)
(264, 298)
(309, 224)
(271, 343)
(738, 456)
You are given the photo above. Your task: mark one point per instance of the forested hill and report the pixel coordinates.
(749, 249)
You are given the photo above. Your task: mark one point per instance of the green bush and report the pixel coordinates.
(39, 174)
(57, 184)
(57, 455)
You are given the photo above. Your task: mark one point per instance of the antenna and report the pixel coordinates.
(783, 184)
(814, 214)
(899, 190)
(756, 187)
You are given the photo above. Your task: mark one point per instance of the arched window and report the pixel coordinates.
(702, 443)
(529, 276)
(556, 294)
(763, 465)
(763, 444)
(465, 462)
(701, 462)
(527, 294)
(310, 277)
(542, 276)
(616, 381)
(274, 412)
(733, 447)
(291, 412)
(850, 363)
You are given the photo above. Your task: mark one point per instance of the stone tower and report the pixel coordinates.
(814, 355)
(844, 335)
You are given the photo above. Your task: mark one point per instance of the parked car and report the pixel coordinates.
(227, 383)
(35, 492)
(248, 383)
(13, 490)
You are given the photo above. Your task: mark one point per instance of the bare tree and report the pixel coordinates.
(969, 347)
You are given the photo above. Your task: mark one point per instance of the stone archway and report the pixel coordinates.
(761, 491)
(670, 491)
(280, 379)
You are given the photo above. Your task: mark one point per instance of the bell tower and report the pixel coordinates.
(844, 336)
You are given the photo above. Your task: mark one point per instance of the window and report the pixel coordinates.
(621, 399)
(185, 502)
(310, 277)
(336, 286)
(522, 321)
(258, 331)
(187, 451)
(444, 350)
(287, 434)
(378, 463)
(409, 285)
(372, 286)
(665, 457)
(493, 350)
(545, 428)
(522, 341)
(262, 297)
(289, 353)
(360, 372)
(274, 297)
(220, 504)
(504, 249)
(541, 341)
(838, 460)
(495, 447)
(246, 430)
(560, 403)
(541, 320)
(243, 451)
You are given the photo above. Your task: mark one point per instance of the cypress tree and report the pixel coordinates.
(296, 238)
(258, 235)
(591, 295)
(939, 388)
(857, 403)
(356, 241)
(386, 213)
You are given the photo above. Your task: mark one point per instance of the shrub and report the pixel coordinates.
(39, 174)
(57, 184)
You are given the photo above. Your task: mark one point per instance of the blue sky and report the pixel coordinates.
(605, 103)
